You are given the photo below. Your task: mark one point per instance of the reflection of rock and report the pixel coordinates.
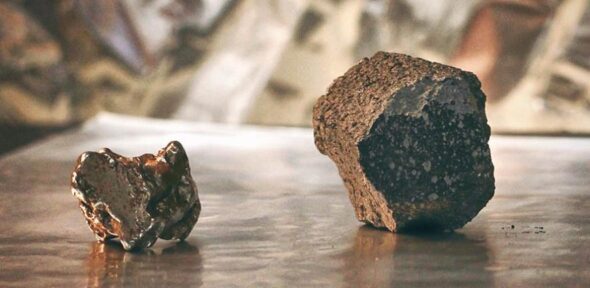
(382, 259)
(178, 265)
(364, 264)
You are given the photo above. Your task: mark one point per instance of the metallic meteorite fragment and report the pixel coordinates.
(410, 140)
(137, 199)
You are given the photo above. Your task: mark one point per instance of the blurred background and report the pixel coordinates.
(266, 62)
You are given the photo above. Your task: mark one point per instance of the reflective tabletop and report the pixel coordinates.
(276, 214)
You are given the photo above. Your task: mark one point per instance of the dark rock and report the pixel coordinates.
(137, 199)
(410, 140)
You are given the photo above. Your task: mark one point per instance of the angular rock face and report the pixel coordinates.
(410, 140)
(137, 199)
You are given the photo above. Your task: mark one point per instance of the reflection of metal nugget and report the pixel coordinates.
(410, 139)
(110, 266)
(137, 199)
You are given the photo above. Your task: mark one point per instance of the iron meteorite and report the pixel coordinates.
(138, 199)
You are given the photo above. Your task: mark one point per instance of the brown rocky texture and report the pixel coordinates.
(138, 199)
(409, 138)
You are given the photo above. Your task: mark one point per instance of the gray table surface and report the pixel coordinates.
(275, 214)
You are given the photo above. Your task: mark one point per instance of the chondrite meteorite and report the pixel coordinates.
(138, 199)
(410, 140)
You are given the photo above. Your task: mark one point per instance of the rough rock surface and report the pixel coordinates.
(137, 199)
(410, 140)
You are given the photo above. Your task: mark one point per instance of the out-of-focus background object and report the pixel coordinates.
(266, 62)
